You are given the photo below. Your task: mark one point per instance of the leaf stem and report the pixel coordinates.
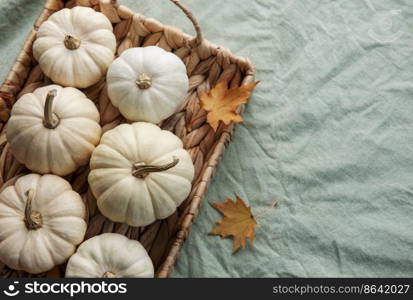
(265, 210)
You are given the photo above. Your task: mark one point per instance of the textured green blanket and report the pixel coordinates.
(331, 139)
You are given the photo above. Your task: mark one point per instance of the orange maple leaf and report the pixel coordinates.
(238, 222)
(222, 103)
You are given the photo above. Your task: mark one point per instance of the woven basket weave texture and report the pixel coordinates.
(206, 65)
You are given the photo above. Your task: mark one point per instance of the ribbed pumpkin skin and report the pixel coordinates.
(81, 67)
(60, 150)
(125, 198)
(169, 84)
(63, 225)
(110, 252)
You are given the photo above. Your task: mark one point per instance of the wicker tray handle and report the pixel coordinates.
(199, 37)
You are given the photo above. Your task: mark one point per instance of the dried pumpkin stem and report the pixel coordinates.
(109, 275)
(140, 170)
(71, 42)
(33, 219)
(50, 119)
(144, 81)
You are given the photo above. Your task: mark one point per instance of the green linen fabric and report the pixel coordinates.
(328, 134)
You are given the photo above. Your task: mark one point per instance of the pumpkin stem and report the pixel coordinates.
(108, 274)
(33, 219)
(144, 81)
(71, 42)
(140, 170)
(50, 119)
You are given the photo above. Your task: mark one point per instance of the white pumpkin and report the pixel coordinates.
(74, 47)
(147, 84)
(53, 130)
(41, 221)
(140, 173)
(110, 255)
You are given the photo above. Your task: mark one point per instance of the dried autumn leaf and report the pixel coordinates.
(222, 103)
(238, 222)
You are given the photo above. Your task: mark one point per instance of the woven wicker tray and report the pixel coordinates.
(206, 65)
